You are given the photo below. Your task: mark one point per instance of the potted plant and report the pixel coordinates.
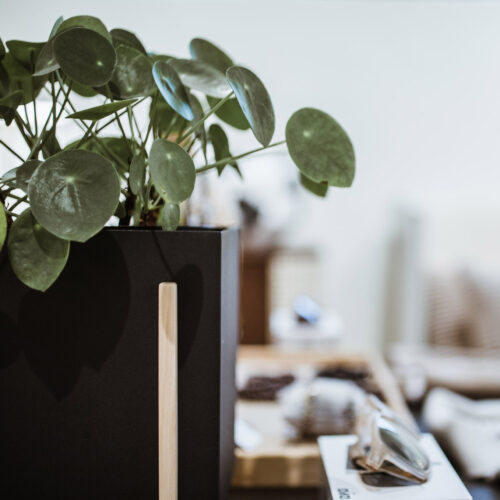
(78, 315)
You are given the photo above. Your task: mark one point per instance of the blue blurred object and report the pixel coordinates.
(306, 310)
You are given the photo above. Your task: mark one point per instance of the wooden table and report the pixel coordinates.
(279, 462)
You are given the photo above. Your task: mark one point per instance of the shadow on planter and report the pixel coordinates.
(79, 368)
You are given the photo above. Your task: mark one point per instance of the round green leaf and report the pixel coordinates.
(85, 56)
(89, 22)
(132, 76)
(165, 119)
(137, 174)
(22, 79)
(115, 149)
(46, 62)
(201, 76)
(124, 37)
(170, 216)
(10, 176)
(83, 90)
(24, 173)
(9, 104)
(220, 143)
(2, 50)
(4, 81)
(230, 112)
(99, 112)
(318, 188)
(37, 257)
(171, 88)
(203, 50)
(51, 145)
(56, 27)
(3, 225)
(172, 171)
(254, 101)
(74, 193)
(320, 147)
(25, 52)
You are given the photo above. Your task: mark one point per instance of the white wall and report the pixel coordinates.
(415, 83)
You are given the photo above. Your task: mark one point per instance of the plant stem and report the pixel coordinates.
(86, 135)
(120, 114)
(11, 150)
(40, 139)
(54, 99)
(192, 128)
(130, 112)
(34, 112)
(224, 161)
(20, 125)
(18, 202)
(27, 123)
(151, 119)
(82, 125)
(15, 197)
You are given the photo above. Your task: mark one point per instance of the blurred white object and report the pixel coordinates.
(471, 371)
(287, 331)
(324, 406)
(345, 482)
(469, 429)
(246, 436)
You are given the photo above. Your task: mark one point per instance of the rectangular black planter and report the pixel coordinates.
(79, 368)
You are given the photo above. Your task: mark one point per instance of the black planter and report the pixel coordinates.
(79, 368)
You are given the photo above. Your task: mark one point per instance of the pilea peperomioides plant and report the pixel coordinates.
(143, 173)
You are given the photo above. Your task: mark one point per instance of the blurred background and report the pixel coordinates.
(407, 261)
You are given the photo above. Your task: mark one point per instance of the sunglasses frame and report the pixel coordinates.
(373, 454)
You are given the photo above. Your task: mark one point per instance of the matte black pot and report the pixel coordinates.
(79, 368)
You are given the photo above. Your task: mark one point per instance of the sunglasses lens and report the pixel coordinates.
(400, 441)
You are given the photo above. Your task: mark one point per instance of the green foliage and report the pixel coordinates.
(137, 175)
(9, 104)
(124, 37)
(132, 76)
(172, 171)
(172, 89)
(74, 193)
(318, 188)
(203, 50)
(220, 143)
(254, 101)
(167, 116)
(320, 148)
(24, 173)
(36, 256)
(170, 216)
(230, 112)
(102, 111)
(85, 56)
(198, 75)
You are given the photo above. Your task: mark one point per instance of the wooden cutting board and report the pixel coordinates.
(279, 461)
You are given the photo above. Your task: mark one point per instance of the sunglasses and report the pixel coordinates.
(387, 445)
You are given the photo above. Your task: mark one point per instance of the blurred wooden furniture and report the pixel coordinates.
(278, 462)
(254, 297)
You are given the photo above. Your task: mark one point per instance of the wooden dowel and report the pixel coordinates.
(167, 391)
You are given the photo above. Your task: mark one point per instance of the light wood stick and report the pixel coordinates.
(167, 391)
